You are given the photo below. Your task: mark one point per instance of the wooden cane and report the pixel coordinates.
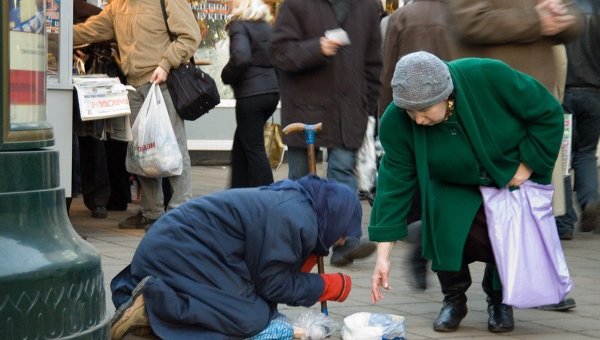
(310, 133)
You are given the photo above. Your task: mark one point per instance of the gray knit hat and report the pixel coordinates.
(420, 80)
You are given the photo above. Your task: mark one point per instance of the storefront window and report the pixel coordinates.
(213, 53)
(52, 28)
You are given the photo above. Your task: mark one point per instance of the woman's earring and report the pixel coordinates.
(449, 109)
(450, 106)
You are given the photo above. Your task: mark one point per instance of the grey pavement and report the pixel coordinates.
(420, 308)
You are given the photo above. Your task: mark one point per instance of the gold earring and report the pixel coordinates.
(450, 106)
(449, 109)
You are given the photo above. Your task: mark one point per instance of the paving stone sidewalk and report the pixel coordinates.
(117, 246)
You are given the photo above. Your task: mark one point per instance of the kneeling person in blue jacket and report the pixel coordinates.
(217, 266)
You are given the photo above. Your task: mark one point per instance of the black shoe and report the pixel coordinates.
(500, 318)
(99, 212)
(138, 221)
(590, 217)
(450, 317)
(352, 249)
(562, 306)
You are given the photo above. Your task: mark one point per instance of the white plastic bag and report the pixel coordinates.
(366, 161)
(314, 325)
(154, 151)
(373, 326)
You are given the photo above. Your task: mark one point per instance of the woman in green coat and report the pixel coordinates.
(451, 128)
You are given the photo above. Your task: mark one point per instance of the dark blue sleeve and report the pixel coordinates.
(289, 238)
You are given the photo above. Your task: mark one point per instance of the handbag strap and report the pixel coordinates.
(164, 13)
(171, 35)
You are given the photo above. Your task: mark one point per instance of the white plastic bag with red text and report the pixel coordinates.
(154, 151)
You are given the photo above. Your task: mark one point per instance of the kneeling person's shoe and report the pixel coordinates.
(131, 316)
(500, 318)
(138, 221)
(450, 317)
(352, 249)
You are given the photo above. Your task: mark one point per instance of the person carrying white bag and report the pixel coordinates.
(154, 152)
(147, 56)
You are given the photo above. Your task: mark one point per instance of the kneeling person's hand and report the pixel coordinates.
(337, 287)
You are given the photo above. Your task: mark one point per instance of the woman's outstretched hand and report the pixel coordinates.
(382, 269)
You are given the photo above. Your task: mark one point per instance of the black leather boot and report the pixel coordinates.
(450, 316)
(500, 318)
(454, 285)
(500, 315)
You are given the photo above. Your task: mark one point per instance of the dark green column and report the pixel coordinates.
(51, 281)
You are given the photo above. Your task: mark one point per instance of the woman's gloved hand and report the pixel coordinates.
(309, 263)
(337, 287)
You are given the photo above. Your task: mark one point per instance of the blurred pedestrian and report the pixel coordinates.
(147, 56)
(419, 25)
(328, 54)
(104, 179)
(218, 266)
(256, 89)
(582, 99)
(519, 32)
(437, 138)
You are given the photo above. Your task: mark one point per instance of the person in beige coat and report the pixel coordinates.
(147, 55)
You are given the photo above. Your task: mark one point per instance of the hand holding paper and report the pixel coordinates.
(339, 35)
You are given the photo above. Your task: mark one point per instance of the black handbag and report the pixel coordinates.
(193, 92)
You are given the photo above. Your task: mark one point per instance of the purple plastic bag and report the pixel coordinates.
(528, 253)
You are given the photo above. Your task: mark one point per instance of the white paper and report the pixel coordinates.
(101, 97)
(566, 144)
(339, 35)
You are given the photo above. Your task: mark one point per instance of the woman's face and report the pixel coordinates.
(433, 115)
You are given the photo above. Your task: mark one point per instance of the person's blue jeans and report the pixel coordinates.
(565, 224)
(584, 104)
(340, 168)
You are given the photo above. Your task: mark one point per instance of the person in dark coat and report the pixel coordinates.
(324, 80)
(256, 91)
(217, 266)
(417, 26)
(104, 179)
(582, 99)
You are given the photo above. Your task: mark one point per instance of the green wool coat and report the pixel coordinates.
(502, 117)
